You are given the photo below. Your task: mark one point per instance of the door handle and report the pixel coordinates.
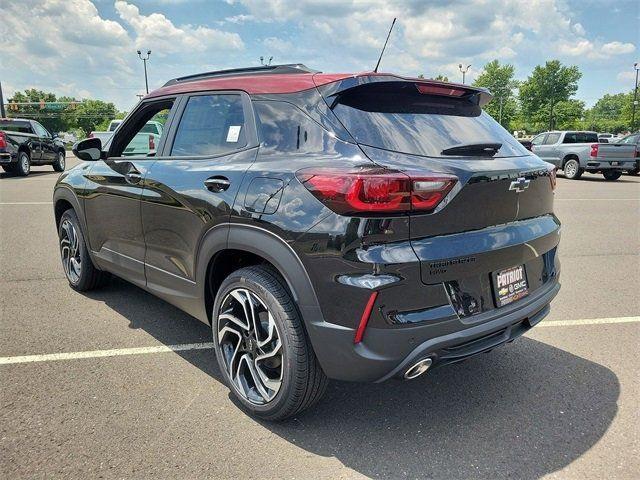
(133, 176)
(217, 184)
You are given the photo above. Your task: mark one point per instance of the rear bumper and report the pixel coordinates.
(598, 166)
(387, 353)
(6, 158)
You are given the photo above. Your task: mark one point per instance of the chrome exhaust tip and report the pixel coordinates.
(418, 369)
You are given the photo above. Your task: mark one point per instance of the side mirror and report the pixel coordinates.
(89, 149)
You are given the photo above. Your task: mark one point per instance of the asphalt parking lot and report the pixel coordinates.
(561, 402)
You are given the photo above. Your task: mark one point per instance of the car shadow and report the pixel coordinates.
(32, 174)
(597, 177)
(521, 411)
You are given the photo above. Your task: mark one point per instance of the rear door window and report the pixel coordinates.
(19, 127)
(538, 139)
(397, 116)
(211, 125)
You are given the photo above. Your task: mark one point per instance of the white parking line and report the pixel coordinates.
(26, 203)
(117, 352)
(588, 321)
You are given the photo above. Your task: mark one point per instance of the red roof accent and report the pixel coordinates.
(254, 84)
(276, 83)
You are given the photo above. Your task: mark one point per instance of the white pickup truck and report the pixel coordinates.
(577, 152)
(143, 143)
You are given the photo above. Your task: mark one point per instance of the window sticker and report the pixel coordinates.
(234, 133)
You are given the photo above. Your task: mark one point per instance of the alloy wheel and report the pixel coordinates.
(571, 169)
(24, 160)
(61, 160)
(251, 347)
(70, 251)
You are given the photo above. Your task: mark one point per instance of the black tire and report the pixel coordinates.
(634, 172)
(572, 169)
(87, 277)
(302, 380)
(60, 162)
(611, 175)
(23, 167)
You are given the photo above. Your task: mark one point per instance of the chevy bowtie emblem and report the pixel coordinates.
(520, 184)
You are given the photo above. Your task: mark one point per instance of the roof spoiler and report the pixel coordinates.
(431, 87)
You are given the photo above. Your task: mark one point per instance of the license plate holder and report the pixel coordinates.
(615, 164)
(509, 285)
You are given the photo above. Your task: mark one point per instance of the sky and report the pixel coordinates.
(87, 49)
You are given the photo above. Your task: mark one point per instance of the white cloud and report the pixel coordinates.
(274, 44)
(626, 76)
(617, 48)
(157, 30)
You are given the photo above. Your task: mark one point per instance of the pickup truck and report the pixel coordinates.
(143, 143)
(577, 152)
(104, 136)
(25, 142)
(633, 139)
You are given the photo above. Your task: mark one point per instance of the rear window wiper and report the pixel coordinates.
(481, 149)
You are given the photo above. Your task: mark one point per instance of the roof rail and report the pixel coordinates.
(263, 69)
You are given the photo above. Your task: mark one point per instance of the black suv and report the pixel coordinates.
(350, 226)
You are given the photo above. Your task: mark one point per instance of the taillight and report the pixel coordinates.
(553, 177)
(594, 150)
(152, 143)
(3, 140)
(376, 190)
(429, 89)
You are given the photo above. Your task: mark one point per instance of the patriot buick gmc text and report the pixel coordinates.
(351, 226)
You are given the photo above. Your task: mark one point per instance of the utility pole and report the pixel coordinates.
(2, 112)
(635, 99)
(463, 71)
(144, 60)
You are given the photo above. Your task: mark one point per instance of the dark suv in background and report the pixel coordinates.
(349, 226)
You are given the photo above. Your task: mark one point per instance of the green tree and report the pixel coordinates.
(499, 79)
(543, 90)
(611, 113)
(441, 78)
(53, 121)
(91, 113)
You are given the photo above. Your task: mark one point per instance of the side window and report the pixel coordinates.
(283, 127)
(570, 137)
(538, 139)
(139, 135)
(586, 137)
(211, 125)
(552, 139)
(40, 130)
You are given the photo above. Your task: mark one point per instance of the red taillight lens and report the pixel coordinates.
(3, 140)
(376, 190)
(152, 143)
(429, 89)
(553, 177)
(594, 150)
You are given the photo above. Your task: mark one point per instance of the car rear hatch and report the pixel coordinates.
(499, 214)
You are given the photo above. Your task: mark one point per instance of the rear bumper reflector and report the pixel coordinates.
(365, 318)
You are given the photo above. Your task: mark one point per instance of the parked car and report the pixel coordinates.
(143, 143)
(633, 139)
(578, 152)
(358, 227)
(26, 142)
(606, 137)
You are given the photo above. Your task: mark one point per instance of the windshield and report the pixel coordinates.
(396, 116)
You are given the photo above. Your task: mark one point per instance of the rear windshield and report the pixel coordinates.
(150, 128)
(21, 127)
(396, 116)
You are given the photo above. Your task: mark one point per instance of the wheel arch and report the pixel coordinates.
(570, 156)
(223, 242)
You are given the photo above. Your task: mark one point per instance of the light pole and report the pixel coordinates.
(463, 71)
(144, 60)
(268, 64)
(636, 67)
